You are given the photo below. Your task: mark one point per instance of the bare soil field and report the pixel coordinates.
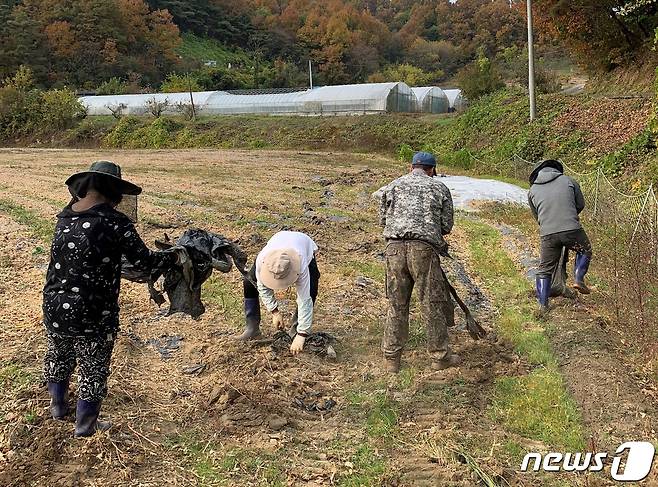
(213, 411)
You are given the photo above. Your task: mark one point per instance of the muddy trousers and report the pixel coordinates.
(551, 249)
(92, 356)
(409, 264)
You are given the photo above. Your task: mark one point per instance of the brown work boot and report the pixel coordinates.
(392, 364)
(451, 360)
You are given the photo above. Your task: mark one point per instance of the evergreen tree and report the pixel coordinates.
(25, 43)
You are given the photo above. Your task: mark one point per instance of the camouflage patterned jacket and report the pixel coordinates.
(417, 207)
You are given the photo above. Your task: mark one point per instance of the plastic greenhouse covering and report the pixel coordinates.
(138, 104)
(457, 100)
(431, 99)
(326, 100)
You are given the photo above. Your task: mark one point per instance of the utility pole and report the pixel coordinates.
(189, 87)
(310, 73)
(531, 65)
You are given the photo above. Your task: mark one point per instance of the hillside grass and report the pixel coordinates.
(371, 133)
(492, 137)
(202, 49)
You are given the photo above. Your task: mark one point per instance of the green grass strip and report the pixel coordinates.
(506, 284)
(214, 466)
(537, 405)
(368, 469)
(40, 227)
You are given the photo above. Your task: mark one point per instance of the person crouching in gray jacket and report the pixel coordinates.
(556, 202)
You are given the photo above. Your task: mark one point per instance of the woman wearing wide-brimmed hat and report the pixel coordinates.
(80, 297)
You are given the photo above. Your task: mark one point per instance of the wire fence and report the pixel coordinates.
(624, 232)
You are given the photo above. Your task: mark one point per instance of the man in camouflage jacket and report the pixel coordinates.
(416, 212)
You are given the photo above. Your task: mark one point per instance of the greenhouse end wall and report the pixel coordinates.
(431, 99)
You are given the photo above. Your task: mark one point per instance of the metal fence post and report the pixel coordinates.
(653, 222)
(531, 65)
(639, 217)
(596, 190)
(189, 86)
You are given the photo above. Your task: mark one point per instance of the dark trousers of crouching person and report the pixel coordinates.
(415, 264)
(551, 251)
(252, 302)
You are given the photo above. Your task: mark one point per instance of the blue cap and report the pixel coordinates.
(423, 159)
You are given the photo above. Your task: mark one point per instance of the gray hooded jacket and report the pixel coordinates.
(556, 201)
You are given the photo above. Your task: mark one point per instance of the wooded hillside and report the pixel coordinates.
(267, 43)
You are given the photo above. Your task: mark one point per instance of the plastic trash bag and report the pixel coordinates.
(203, 252)
(559, 277)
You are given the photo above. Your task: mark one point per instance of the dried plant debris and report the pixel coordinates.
(314, 402)
(319, 343)
(165, 345)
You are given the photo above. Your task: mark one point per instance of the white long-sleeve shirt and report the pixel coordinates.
(306, 248)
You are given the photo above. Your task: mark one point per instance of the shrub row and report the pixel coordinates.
(26, 111)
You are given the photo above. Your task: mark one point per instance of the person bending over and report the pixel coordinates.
(556, 202)
(287, 260)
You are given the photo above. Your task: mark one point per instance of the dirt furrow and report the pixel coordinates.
(191, 406)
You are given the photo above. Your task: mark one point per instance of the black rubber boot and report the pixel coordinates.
(569, 293)
(86, 419)
(252, 319)
(59, 399)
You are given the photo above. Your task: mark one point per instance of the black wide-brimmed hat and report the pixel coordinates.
(103, 173)
(554, 163)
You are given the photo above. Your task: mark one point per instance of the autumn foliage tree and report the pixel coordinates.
(352, 40)
(601, 33)
(26, 110)
(480, 78)
(83, 42)
(224, 20)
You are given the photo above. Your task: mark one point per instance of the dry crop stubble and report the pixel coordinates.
(234, 422)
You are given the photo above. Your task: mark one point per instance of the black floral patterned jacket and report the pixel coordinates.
(81, 295)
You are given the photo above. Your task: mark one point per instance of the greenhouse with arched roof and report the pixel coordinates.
(457, 101)
(360, 99)
(431, 99)
(139, 104)
(225, 103)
